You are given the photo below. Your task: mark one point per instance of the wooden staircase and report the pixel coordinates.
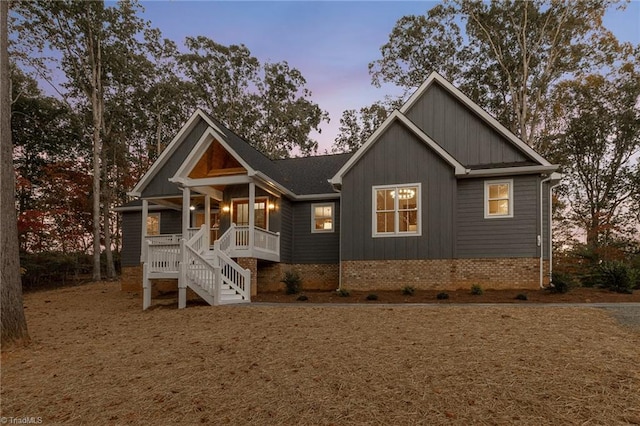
(211, 274)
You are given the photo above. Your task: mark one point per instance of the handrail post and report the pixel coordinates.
(217, 285)
(232, 235)
(182, 277)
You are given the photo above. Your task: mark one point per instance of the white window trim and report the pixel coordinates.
(159, 216)
(487, 215)
(397, 233)
(313, 218)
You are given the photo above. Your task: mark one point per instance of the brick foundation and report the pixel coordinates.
(250, 263)
(442, 274)
(131, 281)
(314, 276)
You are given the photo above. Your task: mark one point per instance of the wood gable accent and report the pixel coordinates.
(216, 161)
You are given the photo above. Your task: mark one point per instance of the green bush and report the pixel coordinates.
(477, 290)
(442, 296)
(408, 290)
(372, 296)
(561, 282)
(522, 296)
(343, 292)
(292, 282)
(617, 276)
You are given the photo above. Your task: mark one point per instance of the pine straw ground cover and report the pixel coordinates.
(97, 358)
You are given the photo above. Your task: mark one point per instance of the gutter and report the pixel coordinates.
(540, 235)
(550, 234)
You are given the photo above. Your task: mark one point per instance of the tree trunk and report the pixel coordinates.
(12, 322)
(96, 96)
(106, 211)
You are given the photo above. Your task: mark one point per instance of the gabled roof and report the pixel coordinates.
(434, 77)
(397, 116)
(538, 163)
(300, 178)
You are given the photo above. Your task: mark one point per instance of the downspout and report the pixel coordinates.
(540, 236)
(551, 234)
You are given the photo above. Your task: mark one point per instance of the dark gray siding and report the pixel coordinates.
(286, 231)
(131, 236)
(460, 131)
(160, 185)
(314, 248)
(478, 237)
(170, 223)
(398, 157)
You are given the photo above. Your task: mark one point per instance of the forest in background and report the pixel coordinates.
(550, 71)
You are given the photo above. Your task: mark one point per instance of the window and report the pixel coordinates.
(322, 217)
(241, 212)
(153, 224)
(396, 210)
(498, 197)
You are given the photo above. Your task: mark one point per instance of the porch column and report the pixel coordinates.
(252, 213)
(143, 244)
(207, 220)
(186, 212)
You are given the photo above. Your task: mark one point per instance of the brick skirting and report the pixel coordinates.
(442, 274)
(314, 276)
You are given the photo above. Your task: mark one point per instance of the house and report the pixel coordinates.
(441, 196)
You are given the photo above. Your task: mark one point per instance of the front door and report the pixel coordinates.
(241, 212)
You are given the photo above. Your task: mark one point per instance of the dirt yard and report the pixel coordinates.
(97, 358)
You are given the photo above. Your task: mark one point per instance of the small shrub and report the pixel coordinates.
(292, 282)
(372, 296)
(522, 296)
(616, 276)
(442, 296)
(408, 290)
(477, 290)
(302, 298)
(343, 292)
(561, 282)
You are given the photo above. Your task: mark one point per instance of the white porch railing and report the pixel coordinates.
(164, 239)
(163, 257)
(267, 240)
(236, 239)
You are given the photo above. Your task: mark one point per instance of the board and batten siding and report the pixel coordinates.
(398, 157)
(314, 248)
(460, 131)
(478, 237)
(160, 185)
(170, 223)
(286, 231)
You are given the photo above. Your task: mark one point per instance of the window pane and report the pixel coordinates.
(409, 221)
(385, 222)
(153, 225)
(499, 207)
(384, 200)
(499, 191)
(323, 224)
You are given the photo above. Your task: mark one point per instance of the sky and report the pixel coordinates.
(330, 42)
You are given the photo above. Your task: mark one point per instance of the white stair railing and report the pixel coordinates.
(227, 241)
(200, 272)
(199, 241)
(233, 275)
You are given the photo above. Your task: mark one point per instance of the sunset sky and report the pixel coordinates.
(330, 42)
